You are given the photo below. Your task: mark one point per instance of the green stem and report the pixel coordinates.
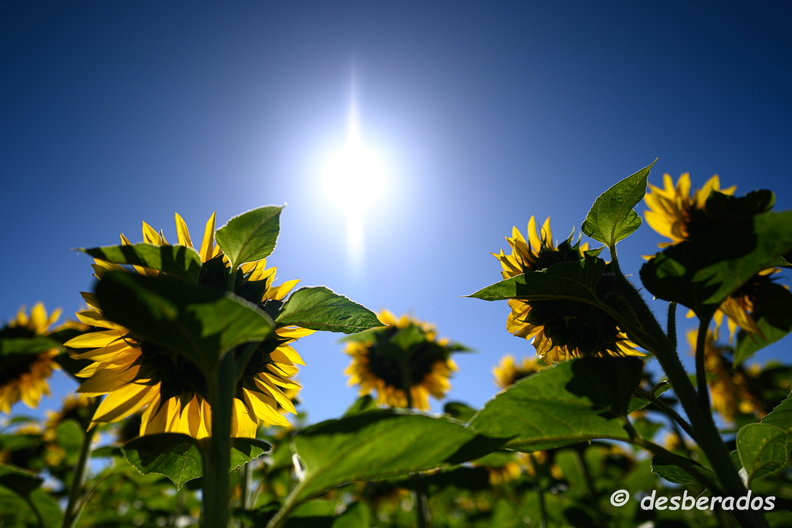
(668, 411)
(701, 369)
(540, 495)
(244, 477)
(420, 498)
(36, 512)
(671, 325)
(286, 509)
(232, 279)
(72, 512)
(706, 433)
(216, 449)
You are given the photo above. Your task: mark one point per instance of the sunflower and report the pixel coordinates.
(508, 372)
(138, 375)
(730, 386)
(24, 376)
(382, 362)
(677, 215)
(560, 330)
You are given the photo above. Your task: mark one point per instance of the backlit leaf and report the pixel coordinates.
(200, 322)
(576, 281)
(178, 456)
(179, 261)
(251, 235)
(702, 271)
(578, 400)
(381, 444)
(612, 217)
(763, 448)
(319, 308)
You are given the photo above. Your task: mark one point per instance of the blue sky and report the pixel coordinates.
(483, 114)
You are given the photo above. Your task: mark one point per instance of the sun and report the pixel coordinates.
(354, 179)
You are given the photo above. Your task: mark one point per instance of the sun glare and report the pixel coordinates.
(354, 179)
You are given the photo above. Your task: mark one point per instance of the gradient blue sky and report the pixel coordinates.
(484, 113)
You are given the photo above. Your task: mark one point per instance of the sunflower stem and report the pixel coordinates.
(701, 368)
(706, 433)
(72, 512)
(671, 324)
(420, 498)
(217, 448)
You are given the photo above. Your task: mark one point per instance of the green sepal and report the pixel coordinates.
(574, 401)
(199, 322)
(379, 445)
(703, 271)
(319, 308)
(612, 217)
(250, 236)
(180, 261)
(178, 456)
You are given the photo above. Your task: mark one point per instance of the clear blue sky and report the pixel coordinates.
(485, 113)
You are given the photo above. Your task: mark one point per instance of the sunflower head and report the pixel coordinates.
(679, 215)
(508, 372)
(24, 375)
(403, 362)
(559, 329)
(136, 375)
(675, 213)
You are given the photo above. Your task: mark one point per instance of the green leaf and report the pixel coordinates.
(763, 448)
(676, 474)
(363, 404)
(202, 323)
(378, 445)
(19, 481)
(612, 217)
(640, 398)
(178, 456)
(28, 486)
(772, 311)
(703, 271)
(70, 437)
(179, 261)
(26, 345)
(319, 308)
(749, 343)
(781, 416)
(578, 400)
(575, 281)
(460, 411)
(251, 235)
(47, 507)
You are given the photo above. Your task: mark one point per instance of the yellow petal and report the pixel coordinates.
(207, 245)
(102, 338)
(182, 233)
(123, 402)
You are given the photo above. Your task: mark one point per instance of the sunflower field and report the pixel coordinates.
(188, 412)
